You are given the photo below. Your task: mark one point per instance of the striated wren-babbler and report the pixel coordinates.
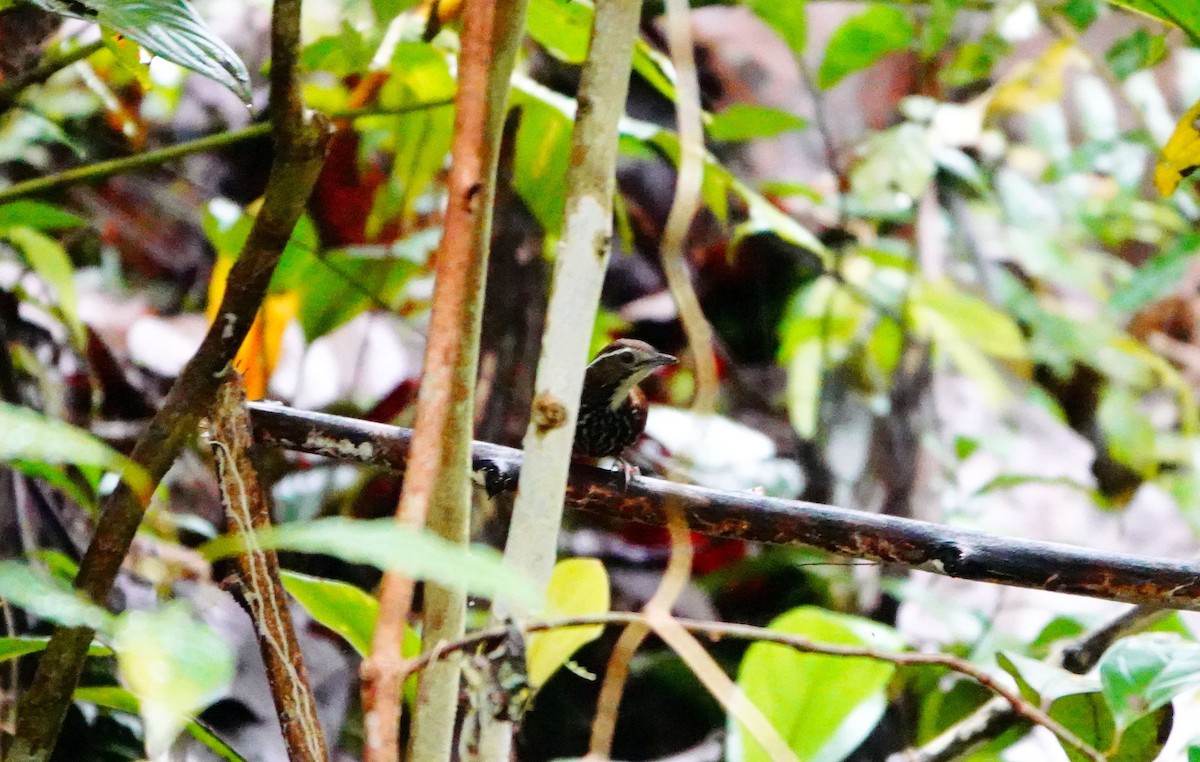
(612, 409)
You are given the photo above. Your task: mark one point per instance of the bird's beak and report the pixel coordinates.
(660, 360)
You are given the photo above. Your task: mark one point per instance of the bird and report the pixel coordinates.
(612, 409)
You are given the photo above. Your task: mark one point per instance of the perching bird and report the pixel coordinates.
(612, 409)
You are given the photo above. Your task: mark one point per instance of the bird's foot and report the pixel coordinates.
(495, 475)
(627, 471)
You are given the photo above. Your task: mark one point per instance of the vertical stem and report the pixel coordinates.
(262, 593)
(575, 290)
(438, 474)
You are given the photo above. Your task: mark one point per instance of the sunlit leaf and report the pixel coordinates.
(578, 586)
(1136, 51)
(37, 215)
(744, 121)
(50, 261)
(49, 598)
(386, 544)
(418, 141)
(29, 435)
(11, 648)
(1184, 14)
(823, 706)
(1181, 155)
(863, 40)
(562, 27)
(174, 664)
(787, 18)
(343, 608)
(168, 28)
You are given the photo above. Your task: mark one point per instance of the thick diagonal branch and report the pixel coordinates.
(299, 153)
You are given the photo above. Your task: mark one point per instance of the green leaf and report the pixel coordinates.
(786, 17)
(114, 697)
(578, 587)
(894, 169)
(823, 706)
(335, 286)
(49, 598)
(562, 27)
(174, 664)
(1141, 673)
(1087, 715)
(418, 141)
(1136, 51)
(941, 309)
(1128, 431)
(863, 40)
(386, 544)
(743, 121)
(11, 648)
(341, 607)
(1156, 276)
(37, 215)
(1184, 14)
(50, 261)
(540, 167)
(29, 435)
(168, 28)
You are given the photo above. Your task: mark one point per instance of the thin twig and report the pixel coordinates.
(102, 170)
(262, 592)
(719, 630)
(996, 716)
(936, 548)
(300, 149)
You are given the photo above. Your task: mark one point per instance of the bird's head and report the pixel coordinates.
(620, 366)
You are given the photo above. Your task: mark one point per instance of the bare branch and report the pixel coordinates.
(950, 551)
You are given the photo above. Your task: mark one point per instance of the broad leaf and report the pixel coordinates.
(341, 607)
(37, 215)
(11, 648)
(743, 121)
(29, 435)
(168, 28)
(49, 260)
(1184, 14)
(1141, 673)
(863, 40)
(786, 17)
(1181, 155)
(387, 544)
(174, 664)
(49, 598)
(823, 706)
(578, 586)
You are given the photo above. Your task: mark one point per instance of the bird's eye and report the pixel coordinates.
(627, 358)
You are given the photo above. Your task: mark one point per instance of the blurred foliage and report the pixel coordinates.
(1003, 202)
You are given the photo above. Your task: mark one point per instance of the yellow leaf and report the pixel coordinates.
(578, 587)
(1181, 154)
(259, 353)
(1035, 83)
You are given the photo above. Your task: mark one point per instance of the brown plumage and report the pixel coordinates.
(612, 409)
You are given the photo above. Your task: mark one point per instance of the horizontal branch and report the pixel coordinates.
(935, 548)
